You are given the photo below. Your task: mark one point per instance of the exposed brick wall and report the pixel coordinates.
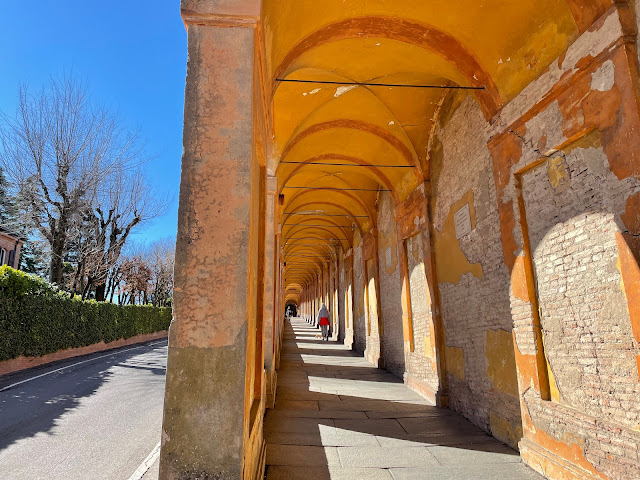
(341, 298)
(359, 305)
(419, 293)
(420, 363)
(573, 206)
(608, 447)
(346, 298)
(587, 121)
(373, 332)
(474, 289)
(390, 288)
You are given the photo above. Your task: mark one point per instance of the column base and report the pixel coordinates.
(547, 463)
(426, 391)
(272, 385)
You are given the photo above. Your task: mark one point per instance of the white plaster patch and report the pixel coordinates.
(392, 122)
(596, 161)
(315, 90)
(462, 221)
(603, 78)
(343, 90)
(549, 123)
(378, 44)
(589, 44)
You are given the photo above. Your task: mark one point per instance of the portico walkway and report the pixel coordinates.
(339, 417)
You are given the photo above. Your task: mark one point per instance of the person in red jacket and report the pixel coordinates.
(323, 321)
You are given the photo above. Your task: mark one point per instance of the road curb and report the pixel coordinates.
(23, 363)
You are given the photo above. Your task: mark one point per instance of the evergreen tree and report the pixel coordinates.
(32, 254)
(8, 206)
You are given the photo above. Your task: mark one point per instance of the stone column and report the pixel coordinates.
(208, 387)
(269, 311)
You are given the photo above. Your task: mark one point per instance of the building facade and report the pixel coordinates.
(10, 246)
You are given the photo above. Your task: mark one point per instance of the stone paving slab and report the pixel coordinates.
(464, 454)
(302, 455)
(432, 439)
(302, 425)
(339, 417)
(337, 439)
(425, 413)
(477, 472)
(385, 426)
(387, 457)
(276, 415)
(297, 404)
(306, 473)
(452, 424)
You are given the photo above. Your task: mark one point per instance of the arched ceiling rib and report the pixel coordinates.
(335, 147)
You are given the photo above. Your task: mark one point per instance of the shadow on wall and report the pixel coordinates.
(578, 243)
(36, 406)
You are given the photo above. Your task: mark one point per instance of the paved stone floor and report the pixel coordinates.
(339, 417)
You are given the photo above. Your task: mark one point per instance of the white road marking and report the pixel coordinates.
(74, 364)
(146, 465)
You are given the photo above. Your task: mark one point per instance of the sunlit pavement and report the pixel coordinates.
(339, 417)
(94, 420)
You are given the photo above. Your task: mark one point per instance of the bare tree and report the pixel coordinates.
(161, 259)
(136, 281)
(125, 201)
(59, 150)
(143, 273)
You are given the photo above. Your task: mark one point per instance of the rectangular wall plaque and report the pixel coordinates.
(462, 220)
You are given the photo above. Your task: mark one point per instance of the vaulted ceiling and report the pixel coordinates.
(334, 146)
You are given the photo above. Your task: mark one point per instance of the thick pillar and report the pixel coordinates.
(373, 313)
(210, 388)
(269, 312)
(424, 362)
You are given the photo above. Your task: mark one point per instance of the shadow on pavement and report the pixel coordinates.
(35, 406)
(339, 417)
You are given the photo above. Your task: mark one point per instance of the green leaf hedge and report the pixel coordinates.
(36, 318)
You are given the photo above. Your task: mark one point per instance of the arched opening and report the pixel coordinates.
(417, 171)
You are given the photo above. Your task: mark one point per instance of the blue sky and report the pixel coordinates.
(131, 54)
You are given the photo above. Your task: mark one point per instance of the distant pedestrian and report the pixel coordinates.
(323, 321)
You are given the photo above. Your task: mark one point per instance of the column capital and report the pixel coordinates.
(221, 13)
(272, 185)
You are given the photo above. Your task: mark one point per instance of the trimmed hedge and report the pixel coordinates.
(35, 321)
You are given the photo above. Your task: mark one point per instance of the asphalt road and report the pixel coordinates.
(93, 417)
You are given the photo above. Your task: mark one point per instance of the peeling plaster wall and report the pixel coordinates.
(421, 362)
(587, 330)
(419, 296)
(574, 205)
(390, 287)
(342, 288)
(346, 297)
(473, 278)
(372, 352)
(359, 300)
(571, 149)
